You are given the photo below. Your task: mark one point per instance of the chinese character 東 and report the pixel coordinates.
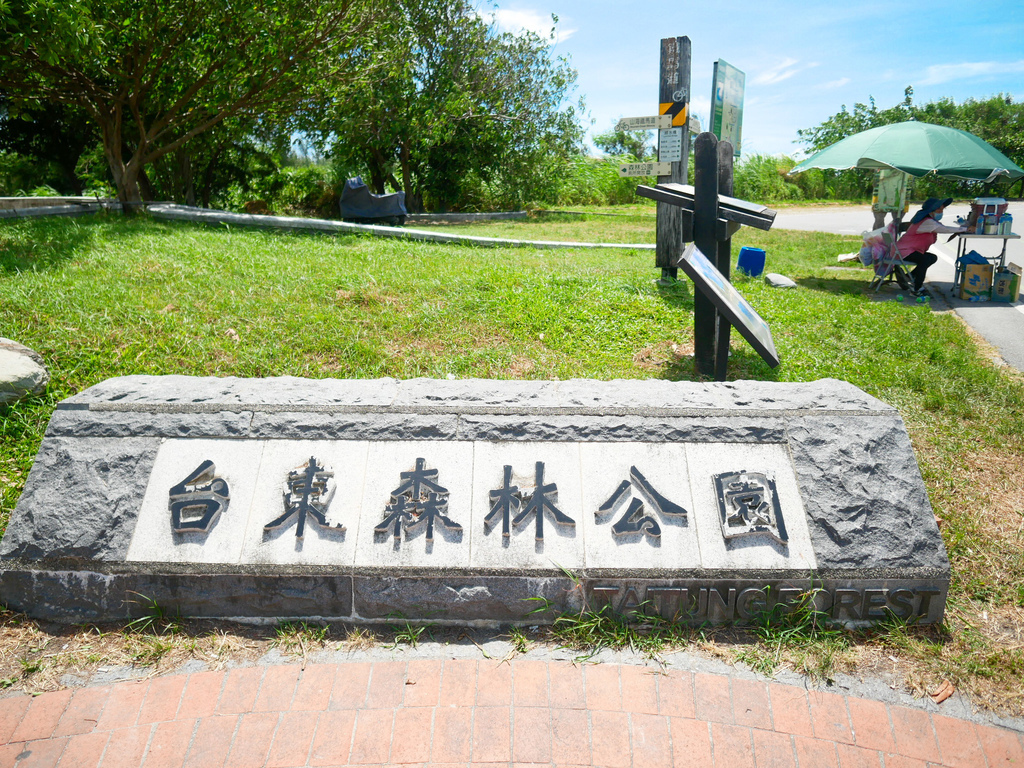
(306, 496)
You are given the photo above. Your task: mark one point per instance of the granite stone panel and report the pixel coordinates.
(461, 598)
(866, 503)
(95, 423)
(611, 428)
(82, 499)
(86, 596)
(361, 426)
(469, 394)
(649, 491)
(229, 390)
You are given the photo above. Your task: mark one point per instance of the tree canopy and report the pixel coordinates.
(618, 143)
(447, 104)
(154, 74)
(997, 119)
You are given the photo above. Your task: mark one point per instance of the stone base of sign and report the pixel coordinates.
(472, 502)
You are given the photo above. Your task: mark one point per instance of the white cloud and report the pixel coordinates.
(945, 73)
(833, 84)
(781, 71)
(532, 21)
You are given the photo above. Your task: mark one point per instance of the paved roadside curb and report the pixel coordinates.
(480, 712)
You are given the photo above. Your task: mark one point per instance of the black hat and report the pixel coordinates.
(929, 206)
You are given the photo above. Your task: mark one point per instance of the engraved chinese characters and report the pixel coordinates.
(196, 501)
(634, 520)
(306, 495)
(510, 499)
(748, 504)
(417, 500)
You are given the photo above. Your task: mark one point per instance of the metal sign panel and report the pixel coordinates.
(647, 123)
(727, 104)
(670, 145)
(645, 169)
(729, 302)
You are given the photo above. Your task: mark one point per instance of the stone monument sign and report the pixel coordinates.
(458, 501)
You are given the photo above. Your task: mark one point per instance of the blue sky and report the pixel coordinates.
(803, 60)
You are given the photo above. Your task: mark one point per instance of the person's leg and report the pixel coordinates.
(923, 261)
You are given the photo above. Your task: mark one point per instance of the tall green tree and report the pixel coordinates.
(54, 135)
(154, 74)
(863, 117)
(448, 102)
(997, 119)
(618, 143)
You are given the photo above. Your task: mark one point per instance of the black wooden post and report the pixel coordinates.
(723, 326)
(705, 224)
(673, 99)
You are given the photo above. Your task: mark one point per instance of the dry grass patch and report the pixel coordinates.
(655, 357)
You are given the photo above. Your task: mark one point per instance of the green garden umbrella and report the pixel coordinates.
(916, 149)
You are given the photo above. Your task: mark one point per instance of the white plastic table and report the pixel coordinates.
(961, 248)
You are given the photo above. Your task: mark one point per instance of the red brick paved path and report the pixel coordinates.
(462, 713)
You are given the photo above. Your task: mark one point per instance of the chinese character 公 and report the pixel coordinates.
(634, 520)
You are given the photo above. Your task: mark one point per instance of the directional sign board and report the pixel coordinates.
(729, 302)
(727, 104)
(650, 123)
(670, 145)
(645, 169)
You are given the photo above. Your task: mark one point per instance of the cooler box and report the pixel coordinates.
(977, 281)
(1006, 284)
(989, 206)
(751, 261)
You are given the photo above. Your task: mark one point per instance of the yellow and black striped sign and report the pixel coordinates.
(677, 109)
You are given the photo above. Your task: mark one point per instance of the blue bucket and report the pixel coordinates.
(751, 261)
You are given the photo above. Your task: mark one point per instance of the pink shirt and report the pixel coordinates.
(921, 236)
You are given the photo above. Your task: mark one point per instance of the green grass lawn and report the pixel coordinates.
(100, 296)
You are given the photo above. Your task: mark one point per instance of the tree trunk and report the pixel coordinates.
(187, 183)
(126, 175)
(413, 199)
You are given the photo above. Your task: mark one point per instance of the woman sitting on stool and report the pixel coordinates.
(922, 234)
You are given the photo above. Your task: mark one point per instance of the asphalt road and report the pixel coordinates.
(1002, 325)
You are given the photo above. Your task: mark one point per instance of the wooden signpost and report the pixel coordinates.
(705, 214)
(713, 218)
(673, 100)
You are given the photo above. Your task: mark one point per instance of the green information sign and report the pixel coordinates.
(727, 104)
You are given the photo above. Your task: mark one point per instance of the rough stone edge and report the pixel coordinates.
(896, 524)
(13, 346)
(107, 488)
(574, 396)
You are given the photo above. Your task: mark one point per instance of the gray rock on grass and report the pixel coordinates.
(778, 281)
(22, 371)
